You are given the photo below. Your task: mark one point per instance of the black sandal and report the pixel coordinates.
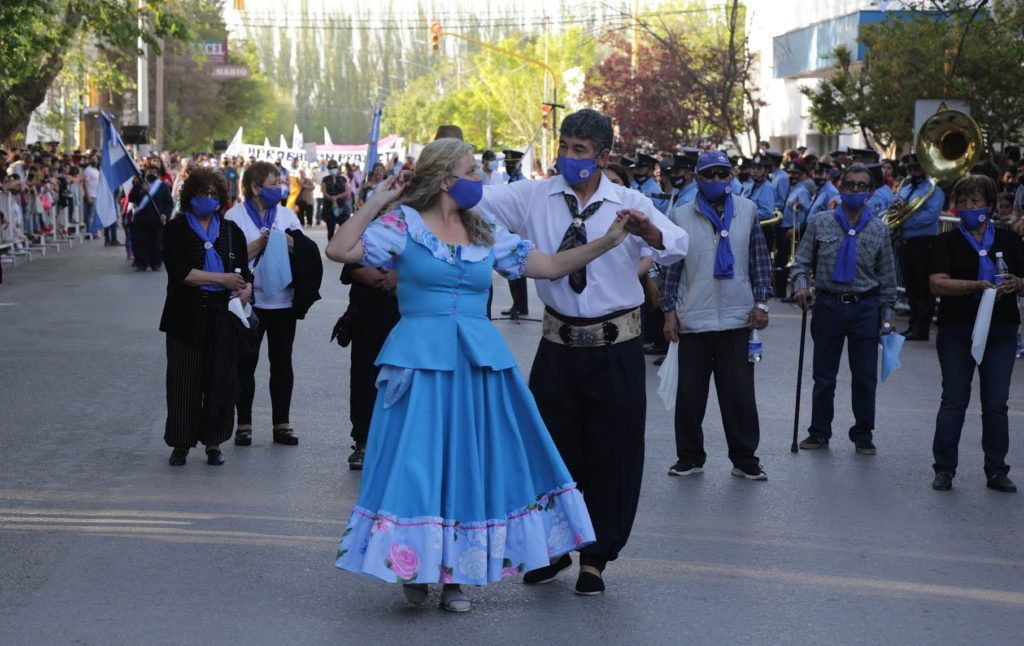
(285, 436)
(243, 437)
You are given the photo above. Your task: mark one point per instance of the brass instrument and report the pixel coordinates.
(948, 145)
(775, 219)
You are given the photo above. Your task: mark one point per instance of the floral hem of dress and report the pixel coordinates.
(430, 549)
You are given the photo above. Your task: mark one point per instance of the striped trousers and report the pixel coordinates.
(188, 371)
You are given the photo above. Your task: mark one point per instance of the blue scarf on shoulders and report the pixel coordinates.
(845, 270)
(212, 261)
(724, 259)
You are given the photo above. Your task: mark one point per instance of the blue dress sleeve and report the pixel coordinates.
(384, 239)
(510, 253)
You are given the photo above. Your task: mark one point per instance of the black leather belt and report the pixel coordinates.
(849, 297)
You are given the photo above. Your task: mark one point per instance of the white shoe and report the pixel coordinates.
(455, 600)
(415, 593)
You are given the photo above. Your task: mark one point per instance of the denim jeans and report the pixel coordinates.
(954, 347)
(856, 324)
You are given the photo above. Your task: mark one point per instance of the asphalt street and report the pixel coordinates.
(101, 542)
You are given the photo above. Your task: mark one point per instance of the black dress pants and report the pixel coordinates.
(780, 269)
(188, 371)
(147, 239)
(594, 403)
(519, 298)
(914, 258)
(279, 328)
(724, 355)
(363, 392)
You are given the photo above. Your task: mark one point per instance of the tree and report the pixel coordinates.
(928, 55)
(35, 36)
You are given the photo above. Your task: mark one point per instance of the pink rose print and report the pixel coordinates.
(393, 222)
(507, 569)
(578, 539)
(446, 574)
(403, 561)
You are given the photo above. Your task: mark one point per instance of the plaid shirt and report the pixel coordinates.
(759, 266)
(875, 266)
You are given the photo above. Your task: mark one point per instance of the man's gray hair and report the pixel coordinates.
(857, 168)
(589, 124)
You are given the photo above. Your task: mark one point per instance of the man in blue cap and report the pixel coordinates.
(760, 190)
(643, 181)
(726, 285)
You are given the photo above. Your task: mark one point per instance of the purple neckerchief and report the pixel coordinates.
(846, 263)
(254, 214)
(212, 261)
(986, 268)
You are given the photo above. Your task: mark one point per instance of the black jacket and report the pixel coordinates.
(307, 273)
(189, 312)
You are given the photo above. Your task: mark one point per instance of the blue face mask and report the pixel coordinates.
(714, 191)
(489, 166)
(853, 202)
(270, 196)
(467, 193)
(204, 206)
(333, 171)
(973, 218)
(576, 171)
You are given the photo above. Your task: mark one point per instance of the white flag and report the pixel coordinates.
(327, 138)
(296, 137)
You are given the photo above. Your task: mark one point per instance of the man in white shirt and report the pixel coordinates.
(588, 376)
(92, 189)
(491, 174)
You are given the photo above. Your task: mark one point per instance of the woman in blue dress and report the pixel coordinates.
(462, 483)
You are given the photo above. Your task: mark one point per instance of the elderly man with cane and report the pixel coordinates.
(849, 253)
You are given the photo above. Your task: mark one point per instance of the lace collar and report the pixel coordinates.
(421, 234)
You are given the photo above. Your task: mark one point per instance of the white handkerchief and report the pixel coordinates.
(979, 337)
(669, 374)
(235, 307)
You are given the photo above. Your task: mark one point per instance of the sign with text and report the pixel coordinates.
(215, 51)
(230, 72)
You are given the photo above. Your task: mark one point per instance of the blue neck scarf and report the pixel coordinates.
(846, 263)
(723, 259)
(254, 213)
(212, 261)
(986, 267)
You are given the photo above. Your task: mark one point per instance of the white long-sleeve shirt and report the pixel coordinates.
(538, 212)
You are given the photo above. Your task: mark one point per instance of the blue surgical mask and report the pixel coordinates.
(204, 206)
(974, 218)
(576, 171)
(333, 171)
(270, 196)
(714, 191)
(853, 202)
(467, 193)
(489, 165)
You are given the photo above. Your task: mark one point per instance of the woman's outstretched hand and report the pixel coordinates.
(617, 231)
(389, 190)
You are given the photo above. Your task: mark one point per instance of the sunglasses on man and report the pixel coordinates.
(856, 187)
(716, 173)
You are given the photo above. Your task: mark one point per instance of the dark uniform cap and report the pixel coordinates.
(909, 160)
(666, 165)
(627, 162)
(864, 155)
(512, 155)
(876, 174)
(840, 151)
(746, 163)
(644, 159)
(683, 162)
(822, 167)
(776, 158)
(796, 166)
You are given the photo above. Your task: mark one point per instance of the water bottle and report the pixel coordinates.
(1001, 269)
(754, 347)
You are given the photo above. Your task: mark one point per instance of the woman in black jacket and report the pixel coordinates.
(152, 207)
(207, 265)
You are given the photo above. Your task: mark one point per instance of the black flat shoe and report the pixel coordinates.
(547, 573)
(943, 481)
(214, 457)
(285, 436)
(243, 438)
(589, 585)
(178, 457)
(1000, 482)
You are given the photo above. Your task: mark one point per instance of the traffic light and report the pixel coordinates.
(435, 37)
(546, 110)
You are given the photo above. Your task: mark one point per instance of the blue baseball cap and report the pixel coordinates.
(712, 158)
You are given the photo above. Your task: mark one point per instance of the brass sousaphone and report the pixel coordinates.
(948, 145)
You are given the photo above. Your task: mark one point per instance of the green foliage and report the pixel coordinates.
(906, 61)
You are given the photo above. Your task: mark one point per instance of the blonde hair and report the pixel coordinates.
(437, 162)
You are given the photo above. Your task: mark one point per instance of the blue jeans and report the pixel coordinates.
(954, 347)
(857, 325)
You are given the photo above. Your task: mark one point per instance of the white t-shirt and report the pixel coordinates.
(284, 220)
(92, 181)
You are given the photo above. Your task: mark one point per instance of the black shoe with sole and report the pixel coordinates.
(243, 438)
(589, 585)
(812, 442)
(355, 461)
(285, 436)
(214, 457)
(1000, 482)
(547, 573)
(750, 473)
(510, 312)
(178, 457)
(865, 447)
(943, 481)
(681, 468)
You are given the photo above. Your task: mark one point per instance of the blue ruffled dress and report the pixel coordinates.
(462, 482)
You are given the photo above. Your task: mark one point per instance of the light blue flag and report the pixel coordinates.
(116, 168)
(371, 150)
(891, 345)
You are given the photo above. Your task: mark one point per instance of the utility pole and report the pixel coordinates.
(544, 131)
(142, 91)
(158, 138)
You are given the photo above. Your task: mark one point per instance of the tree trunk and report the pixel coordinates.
(29, 93)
